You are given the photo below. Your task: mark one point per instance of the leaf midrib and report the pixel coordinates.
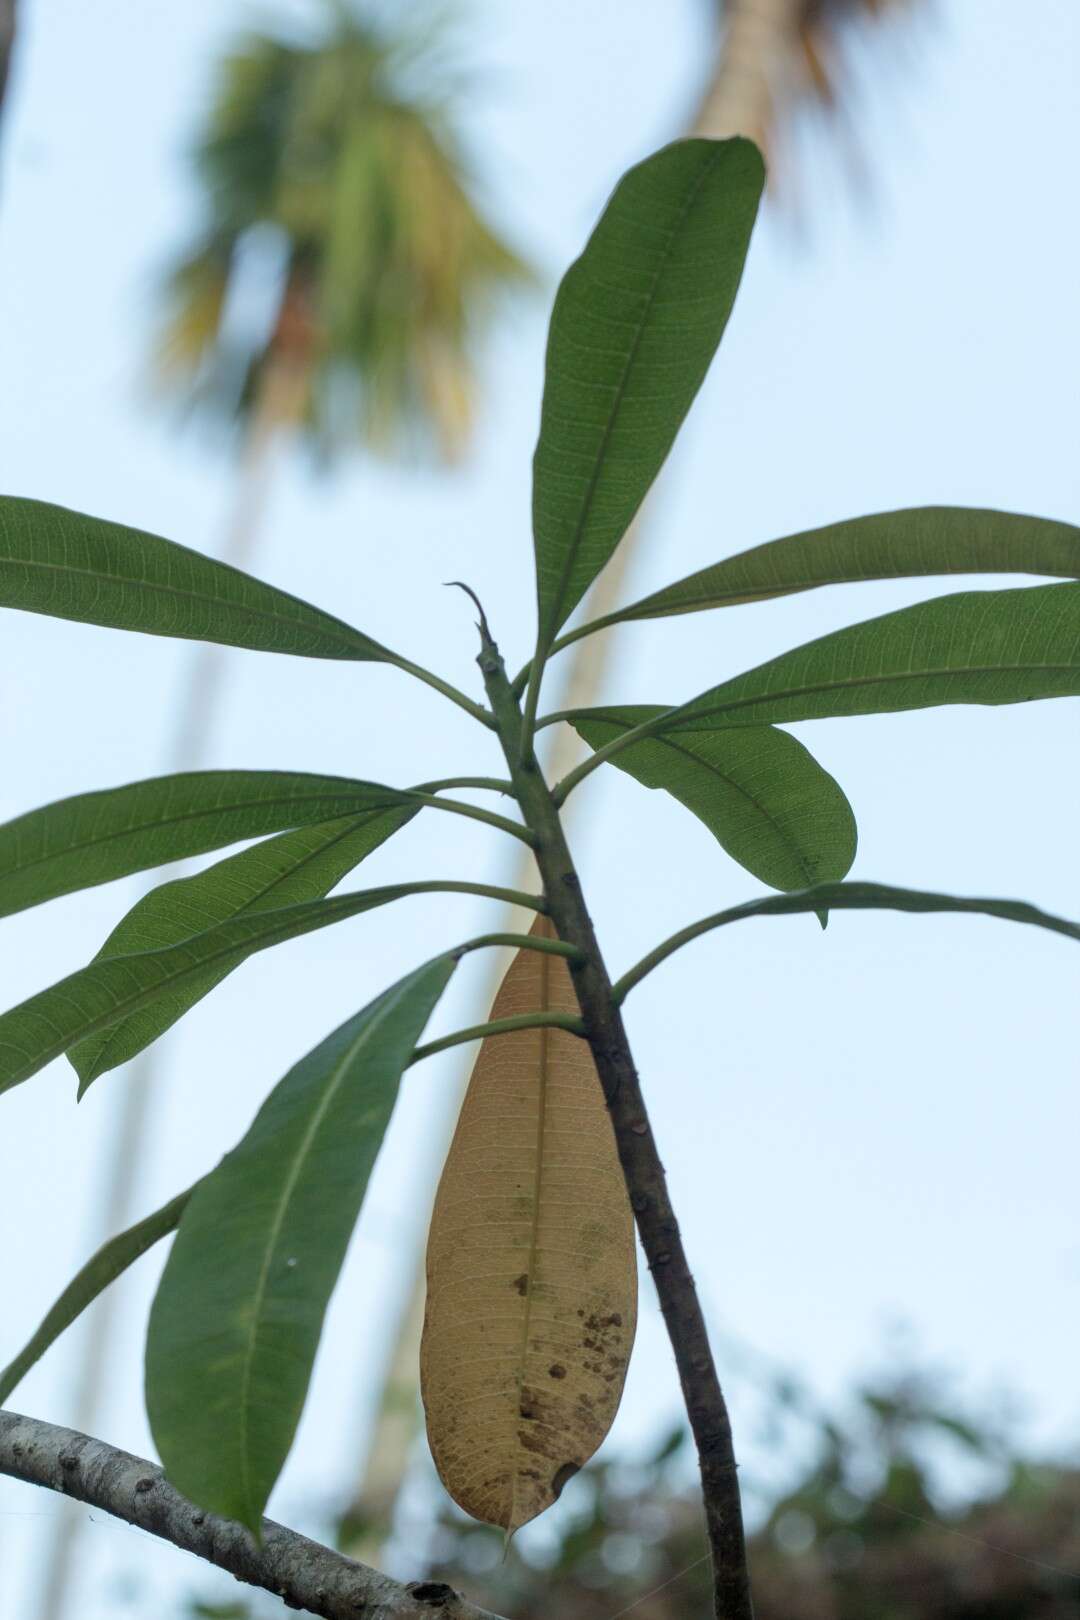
(646, 609)
(101, 1067)
(331, 627)
(620, 394)
(135, 830)
(686, 712)
(140, 997)
(534, 1230)
(784, 836)
(329, 1093)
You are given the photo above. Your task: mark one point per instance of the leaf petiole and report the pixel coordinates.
(843, 897)
(437, 684)
(458, 808)
(500, 1026)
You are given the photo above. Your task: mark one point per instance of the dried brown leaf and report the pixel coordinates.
(531, 1268)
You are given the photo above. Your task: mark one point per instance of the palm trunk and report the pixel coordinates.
(737, 100)
(7, 44)
(757, 42)
(277, 409)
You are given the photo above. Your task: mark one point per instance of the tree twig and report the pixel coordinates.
(304, 1574)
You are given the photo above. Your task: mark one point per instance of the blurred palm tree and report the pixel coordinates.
(333, 297)
(342, 273)
(774, 60)
(335, 163)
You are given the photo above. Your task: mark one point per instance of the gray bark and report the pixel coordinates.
(303, 1574)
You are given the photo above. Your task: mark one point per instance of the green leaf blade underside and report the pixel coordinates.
(95, 838)
(635, 324)
(985, 647)
(71, 566)
(236, 1322)
(103, 1268)
(115, 987)
(283, 871)
(761, 794)
(918, 542)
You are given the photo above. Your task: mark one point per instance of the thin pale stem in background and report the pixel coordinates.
(7, 44)
(128, 1144)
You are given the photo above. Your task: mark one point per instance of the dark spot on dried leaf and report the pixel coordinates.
(521, 1283)
(536, 1439)
(561, 1477)
(557, 1371)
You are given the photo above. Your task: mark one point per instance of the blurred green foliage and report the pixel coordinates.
(899, 1504)
(862, 1532)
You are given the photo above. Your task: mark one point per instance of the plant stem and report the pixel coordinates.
(647, 728)
(437, 683)
(486, 891)
(522, 942)
(845, 897)
(526, 726)
(642, 1169)
(567, 639)
(499, 1026)
(493, 784)
(473, 811)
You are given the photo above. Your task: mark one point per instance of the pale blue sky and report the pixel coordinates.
(875, 1124)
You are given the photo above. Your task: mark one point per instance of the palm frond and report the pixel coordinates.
(345, 146)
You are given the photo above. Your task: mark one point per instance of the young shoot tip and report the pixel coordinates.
(482, 626)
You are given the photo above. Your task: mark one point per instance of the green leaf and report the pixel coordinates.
(103, 1268)
(282, 871)
(49, 1023)
(76, 567)
(237, 1318)
(95, 837)
(847, 897)
(921, 541)
(975, 647)
(636, 322)
(760, 793)
(884, 897)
